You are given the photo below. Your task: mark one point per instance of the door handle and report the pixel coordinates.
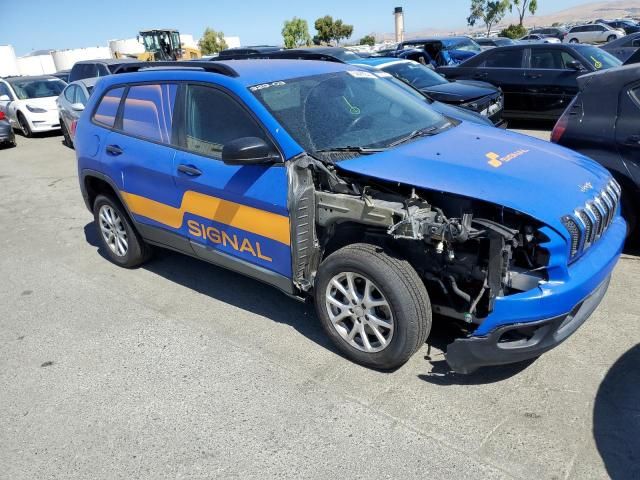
(189, 170)
(533, 75)
(114, 150)
(480, 75)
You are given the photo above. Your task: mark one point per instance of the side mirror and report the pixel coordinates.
(4, 98)
(575, 65)
(248, 151)
(78, 107)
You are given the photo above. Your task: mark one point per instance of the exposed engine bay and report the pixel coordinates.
(468, 252)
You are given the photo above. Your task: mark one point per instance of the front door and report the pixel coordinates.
(234, 215)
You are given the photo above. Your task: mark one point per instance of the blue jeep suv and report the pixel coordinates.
(330, 182)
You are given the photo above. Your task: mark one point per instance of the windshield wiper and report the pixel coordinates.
(422, 132)
(361, 150)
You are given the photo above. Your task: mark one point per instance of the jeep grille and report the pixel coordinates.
(588, 223)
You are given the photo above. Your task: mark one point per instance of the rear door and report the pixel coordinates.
(628, 128)
(234, 215)
(139, 151)
(503, 67)
(550, 84)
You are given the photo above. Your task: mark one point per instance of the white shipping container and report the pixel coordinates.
(36, 65)
(65, 59)
(127, 46)
(8, 61)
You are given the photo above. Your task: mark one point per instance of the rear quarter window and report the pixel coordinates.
(148, 111)
(107, 109)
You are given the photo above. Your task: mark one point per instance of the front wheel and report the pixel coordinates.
(373, 305)
(24, 125)
(574, 40)
(120, 241)
(611, 38)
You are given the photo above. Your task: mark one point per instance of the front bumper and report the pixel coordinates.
(44, 122)
(521, 341)
(527, 324)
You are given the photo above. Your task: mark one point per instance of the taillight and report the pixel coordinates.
(563, 122)
(2, 116)
(74, 125)
(560, 127)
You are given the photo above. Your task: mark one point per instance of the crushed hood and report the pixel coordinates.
(535, 177)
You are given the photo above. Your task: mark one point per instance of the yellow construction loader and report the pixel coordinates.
(162, 45)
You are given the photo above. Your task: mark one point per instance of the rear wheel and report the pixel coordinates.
(574, 40)
(120, 241)
(373, 305)
(24, 125)
(631, 216)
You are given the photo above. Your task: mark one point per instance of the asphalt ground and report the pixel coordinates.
(180, 369)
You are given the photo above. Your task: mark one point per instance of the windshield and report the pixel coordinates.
(354, 108)
(464, 44)
(415, 74)
(598, 57)
(37, 88)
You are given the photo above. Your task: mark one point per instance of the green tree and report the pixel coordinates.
(324, 27)
(328, 30)
(514, 31)
(368, 40)
(295, 33)
(489, 11)
(522, 6)
(212, 42)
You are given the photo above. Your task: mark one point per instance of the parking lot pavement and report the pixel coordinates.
(180, 369)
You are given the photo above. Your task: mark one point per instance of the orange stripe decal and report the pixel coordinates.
(243, 217)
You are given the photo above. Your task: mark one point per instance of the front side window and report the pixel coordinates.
(80, 96)
(213, 119)
(37, 88)
(70, 93)
(504, 59)
(148, 111)
(346, 109)
(108, 107)
(550, 59)
(415, 74)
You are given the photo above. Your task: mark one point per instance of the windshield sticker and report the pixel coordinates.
(496, 160)
(596, 63)
(255, 88)
(360, 74)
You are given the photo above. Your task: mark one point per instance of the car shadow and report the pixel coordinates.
(231, 288)
(442, 334)
(616, 417)
(261, 299)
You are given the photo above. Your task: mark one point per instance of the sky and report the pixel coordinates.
(62, 24)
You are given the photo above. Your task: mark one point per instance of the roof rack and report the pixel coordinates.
(207, 66)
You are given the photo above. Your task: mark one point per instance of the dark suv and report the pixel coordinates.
(556, 32)
(96, 68)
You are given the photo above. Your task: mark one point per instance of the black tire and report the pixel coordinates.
(65, 134)
(630, 214)
(611, 38)
(137, 251)
(400, 286)
(574, 40)
(24, 126)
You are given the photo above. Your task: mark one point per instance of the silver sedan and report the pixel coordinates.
(71, 103)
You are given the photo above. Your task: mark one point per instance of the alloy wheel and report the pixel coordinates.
(359, 312)
(113, 231)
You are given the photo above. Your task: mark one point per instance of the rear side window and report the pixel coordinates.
(213, 119)
(148, 111)
(108, 107)
(504, 59)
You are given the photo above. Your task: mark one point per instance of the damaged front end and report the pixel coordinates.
(468, 252)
